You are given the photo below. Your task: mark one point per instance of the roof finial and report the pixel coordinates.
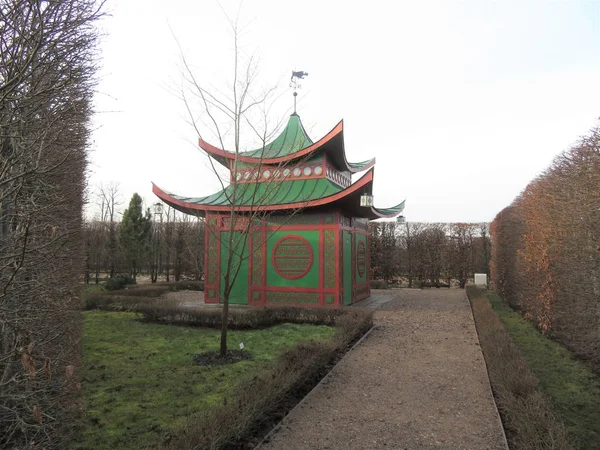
(296, 75)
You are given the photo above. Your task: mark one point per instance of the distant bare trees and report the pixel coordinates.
(109, 200)
(385, 258)
(47, 69)
(545, 259)
(173, 247)
(429, 253)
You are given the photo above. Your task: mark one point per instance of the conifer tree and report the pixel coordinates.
(134, 235)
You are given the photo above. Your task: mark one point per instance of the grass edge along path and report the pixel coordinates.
(527, 417)
(571, 386)
(140, 382)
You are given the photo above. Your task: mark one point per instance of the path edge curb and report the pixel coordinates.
(487, 372)
(276, 428)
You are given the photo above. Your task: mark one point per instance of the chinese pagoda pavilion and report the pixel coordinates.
(306, 233)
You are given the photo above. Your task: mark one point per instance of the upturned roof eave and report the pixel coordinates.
(364, 182)
(336, 152)
(220, 153)
(347, 199)
(388, 213)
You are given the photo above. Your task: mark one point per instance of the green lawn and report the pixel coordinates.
(573, 389)
(139, 379)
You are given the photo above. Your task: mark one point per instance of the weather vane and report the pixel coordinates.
(296, 77)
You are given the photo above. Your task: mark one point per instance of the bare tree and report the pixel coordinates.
(179, 246)
(95, 239)
(460, 252)
(109, 199)
(47, 69)
(384, 250)
(246, 110)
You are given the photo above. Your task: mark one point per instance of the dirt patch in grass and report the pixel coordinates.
(527, 415)
(214, 358)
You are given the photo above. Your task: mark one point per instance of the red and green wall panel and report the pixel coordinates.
(311, 260)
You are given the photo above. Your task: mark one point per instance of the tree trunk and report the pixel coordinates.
(224, 325)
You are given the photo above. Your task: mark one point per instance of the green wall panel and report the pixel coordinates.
(239, 291)
(311, 278)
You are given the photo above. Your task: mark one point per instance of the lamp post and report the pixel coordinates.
(158, 211)
(366, 200)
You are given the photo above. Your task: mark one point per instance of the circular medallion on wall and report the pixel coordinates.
(307, 171)
(247, 175)
(297, 171)
(292, 257)
(318, 170)
(361, 258)
(267, 174)
(286, 172)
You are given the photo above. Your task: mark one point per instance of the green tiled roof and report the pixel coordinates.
(268, 193)
(292, 139)
(393, 211)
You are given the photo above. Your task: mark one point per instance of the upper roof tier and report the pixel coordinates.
(293, 143)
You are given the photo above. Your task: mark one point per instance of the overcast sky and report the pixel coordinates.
(461, 102)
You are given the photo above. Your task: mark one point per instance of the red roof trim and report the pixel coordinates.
(364, 180)
(339, 128)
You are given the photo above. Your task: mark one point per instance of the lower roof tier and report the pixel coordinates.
(279, 196)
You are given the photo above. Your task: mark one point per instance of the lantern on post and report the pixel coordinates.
(366, 200)
(157, 259)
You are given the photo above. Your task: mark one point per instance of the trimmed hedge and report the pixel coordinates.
(182, 285)
(378, 284)
(239, 319)
(527, 416)
(545, 250)
(132, 296)
(118, 302)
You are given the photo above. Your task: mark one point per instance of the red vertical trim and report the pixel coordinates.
(336, 241)
(264, 261)
(206, 251)
(321, 262)
(353, 259)
(250, 264)
(218, 231)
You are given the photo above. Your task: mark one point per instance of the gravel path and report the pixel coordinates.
(418, 381)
